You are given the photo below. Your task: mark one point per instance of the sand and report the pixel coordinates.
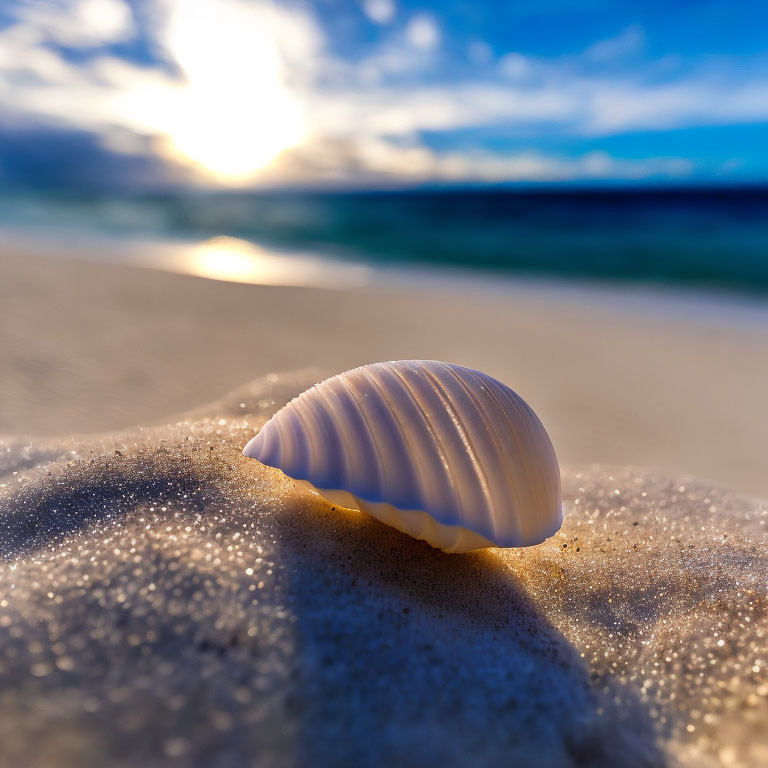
(164, 600)
(618, 376)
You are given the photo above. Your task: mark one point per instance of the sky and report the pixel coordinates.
(148, 94)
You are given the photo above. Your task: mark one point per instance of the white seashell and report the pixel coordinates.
(438, 451)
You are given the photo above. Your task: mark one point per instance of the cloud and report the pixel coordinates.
(514, 66)
(43, 157)
(78, 24)
(625, 106)
(629, 42)
(380, 11)
(229, 108)
(245, 84)
(379, 162)
(390, 111)
(422, 32)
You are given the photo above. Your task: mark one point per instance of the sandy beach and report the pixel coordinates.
(619, 376)
(165, 601)
(168, 602)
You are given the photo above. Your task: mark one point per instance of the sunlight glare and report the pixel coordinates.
(226, 258)
(234, 116)
(238, 261)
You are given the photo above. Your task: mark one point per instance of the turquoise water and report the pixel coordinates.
(715, 238)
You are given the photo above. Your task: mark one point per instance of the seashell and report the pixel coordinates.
(441, 452)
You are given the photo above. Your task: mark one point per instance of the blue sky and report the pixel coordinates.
(378, 93)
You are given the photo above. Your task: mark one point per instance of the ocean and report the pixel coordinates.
(716, 238)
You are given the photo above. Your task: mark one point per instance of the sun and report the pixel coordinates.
(233, 115)
(234, 140)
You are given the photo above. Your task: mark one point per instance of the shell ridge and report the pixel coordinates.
(545, 452)
(330, 425)
(338, 423)
(487, 421)
(475, 408)
(284, 438)
(401, 433)
(522, 408)
(350, 390)
(503, 394)
(269, 447)
(436, 486)
(292, 403)
(293, 448)
(305, 432)
(444, 462)
(466, 440)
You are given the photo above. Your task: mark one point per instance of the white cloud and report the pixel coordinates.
(389, 111)
(629, 42)
(618, 106)
(231, 111)
(514, 66)
(380, 161)
(380, 11)
(422, 32)
(83, 23)
(259, 74)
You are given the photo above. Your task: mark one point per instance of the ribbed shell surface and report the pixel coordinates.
(423, 435)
